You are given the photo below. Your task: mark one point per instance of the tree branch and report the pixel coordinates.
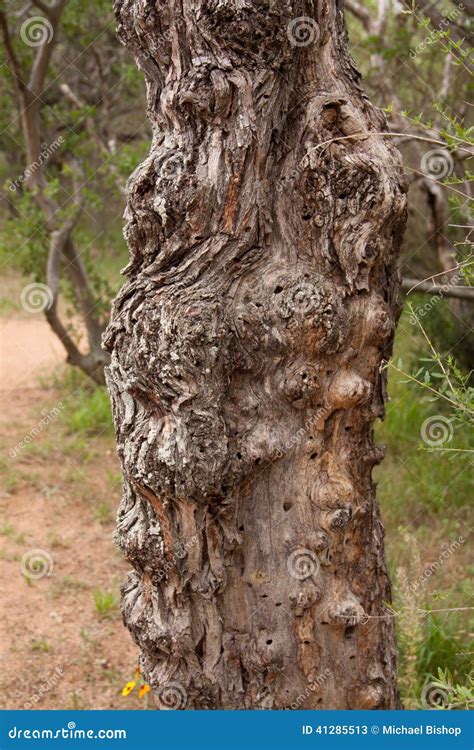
(443, 290)
(11, 52)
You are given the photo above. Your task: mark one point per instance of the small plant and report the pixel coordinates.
(102, 513)
(88, 412)
(41, 646)
(106, 602)
(65, 585)
(87, 637)
(450, 695)
(7, 529)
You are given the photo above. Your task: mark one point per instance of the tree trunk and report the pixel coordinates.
(247, 346)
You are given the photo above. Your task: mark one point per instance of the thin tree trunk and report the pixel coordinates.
(247, 346)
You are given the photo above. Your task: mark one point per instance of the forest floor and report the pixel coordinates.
(62, 641)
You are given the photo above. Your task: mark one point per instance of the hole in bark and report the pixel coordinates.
(348, 429)
(257, 460)
(306, 642)
(241, 528)
(305, 217)
(278, 604)
(269, 642)
(313, 456)
(264, 596)
(239, 455)
(349, 632)
(320, 700)
(200, 648)
(278, 289)
(287, 505)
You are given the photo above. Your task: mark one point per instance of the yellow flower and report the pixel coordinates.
(128, 688)
(144, 690)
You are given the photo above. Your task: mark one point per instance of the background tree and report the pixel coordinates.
(247, 346)
(416, 60)
(63, 148)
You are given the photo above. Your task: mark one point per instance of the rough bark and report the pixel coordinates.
(247, 345)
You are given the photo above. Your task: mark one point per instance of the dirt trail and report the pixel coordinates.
(28, 348)
(58, 498)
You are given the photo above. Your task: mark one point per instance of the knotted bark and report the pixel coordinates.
(247, 349)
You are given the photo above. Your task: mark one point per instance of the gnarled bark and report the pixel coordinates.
(247, 345)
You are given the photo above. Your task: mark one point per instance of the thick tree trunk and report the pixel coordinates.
(247, 346)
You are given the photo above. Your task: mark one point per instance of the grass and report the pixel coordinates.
(65, 585)
(412, 476)
(103, 513)
(106, 602)
(424, 498)
(8, 530)
(41, 646)
(88, 412)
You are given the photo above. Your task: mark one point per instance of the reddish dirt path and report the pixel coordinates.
(58, 495)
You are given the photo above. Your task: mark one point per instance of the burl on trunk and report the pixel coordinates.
(247, 348)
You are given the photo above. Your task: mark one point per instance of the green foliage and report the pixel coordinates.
(87, 412)
(106, 602)
(457, 696)
(442, 647)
